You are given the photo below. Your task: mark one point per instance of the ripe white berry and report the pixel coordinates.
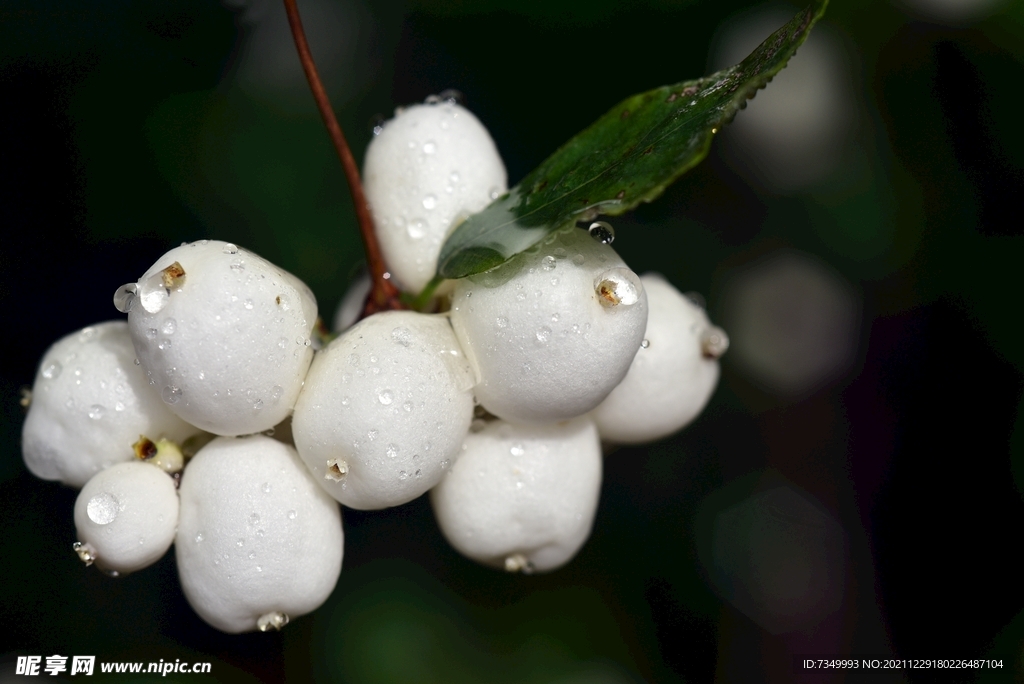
(258, 541)
(351, 305)
(384, 409)
(552, 331)
(126, 517)
(90, 403)
(522, 497)
(223, 335)
(430, 166)
(671, 377)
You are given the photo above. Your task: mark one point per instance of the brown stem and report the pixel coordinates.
(383, 295)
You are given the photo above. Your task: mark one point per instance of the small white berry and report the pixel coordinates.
(552, 331)
(384, 409)
(126, 517)
(671, 377)
(90, 403)
(429, 167)
(223, 335)
(258, 541)
(522, 497)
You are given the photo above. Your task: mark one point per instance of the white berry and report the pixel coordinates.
(671, 377)
(258, 541)
(384, 409)
(90, 403)
(552, 331)
(126, 517)
(522, 497)
(223, 335)
(429, 167)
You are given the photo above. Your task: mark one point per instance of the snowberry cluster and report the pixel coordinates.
(208, 420)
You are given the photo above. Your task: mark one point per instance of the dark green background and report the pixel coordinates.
(120, 137)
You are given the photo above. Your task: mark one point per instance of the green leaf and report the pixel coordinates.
(628, 156)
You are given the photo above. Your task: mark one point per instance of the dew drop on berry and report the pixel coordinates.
(124, 297)
(429, 202)
(102, 509)
(52, 370)
(291, 515)
(429, 147)
(95, 411)
(169, 326)
(230, 248)
(171, 394)
(602, 231)
(385, 397)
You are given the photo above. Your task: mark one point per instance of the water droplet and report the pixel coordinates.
(52, 370)
(520, 296)
(275, 393)
(543, 335)
(602, 231)
(248, 304)
(429, 202)
(230, 248)
(282, 342)
(493, 193)
(252, 555)
(169, 326)
(259, 568)
(260, 532)
(124, 297)
(392, 450)
(292, 514)
(517, 449)
(119, 406)
(402, 336)
(164, 344)
(402, 475)
(416, 229)
(714, 342)
(153, 293)
(429, 147)
(617, 287)
(371, 435)
(578, 260)
(102, 509)
(345, 401)
(502, 322)
(199, 538)
(258, 404)
(554, 317)
(454, 177)
(237, 265)
(548, 263)
(239, 543)
(385, 397)
(645, 344)
(151, 334)
(171, 394)
(254, 518)
(407, 406)
(95, 411)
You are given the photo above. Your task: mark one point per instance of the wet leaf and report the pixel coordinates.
(628, 156)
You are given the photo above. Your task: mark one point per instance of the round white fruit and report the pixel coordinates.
(522, 497)
(671, 377)
(258, 541)
(223, 335)
(90, 403)
(384, 409)
(126, 517)
(552, 331)
(429, 167)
